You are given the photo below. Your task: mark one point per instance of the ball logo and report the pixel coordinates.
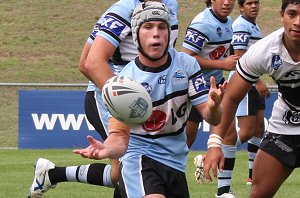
(156, 121)
(217, 53)
(138, 108)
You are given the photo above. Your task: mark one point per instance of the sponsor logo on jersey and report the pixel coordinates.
(147, 87)
(217, 53)
(179, 75)
(113, 24)
(162, 79)
(194, 38)
(292, 117)
(219, 32)
(156, 121)
(240, 38)
(276, 62)
(172, 12)
(199, 83)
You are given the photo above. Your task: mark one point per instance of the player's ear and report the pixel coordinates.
(281, 14)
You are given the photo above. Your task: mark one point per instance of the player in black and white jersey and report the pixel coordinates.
(154, 154)
(108, 49)
(277, 55)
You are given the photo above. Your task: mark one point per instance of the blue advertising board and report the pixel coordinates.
(53, 119)
(56, 119)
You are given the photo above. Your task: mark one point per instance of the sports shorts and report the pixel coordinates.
(141, 176)
(251, 104)
(194, 115)
(92, 113)
(285, 148)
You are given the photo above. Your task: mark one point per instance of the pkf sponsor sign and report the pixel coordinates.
(56, 119)
(53, 119)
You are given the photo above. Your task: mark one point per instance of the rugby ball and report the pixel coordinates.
(127, 100)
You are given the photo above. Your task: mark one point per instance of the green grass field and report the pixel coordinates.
(17, 173)
(40, 42)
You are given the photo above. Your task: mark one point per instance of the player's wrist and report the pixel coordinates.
(214, 140)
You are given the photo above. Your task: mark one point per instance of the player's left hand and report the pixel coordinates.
(96, 150)
(214, 160)
(262, 89)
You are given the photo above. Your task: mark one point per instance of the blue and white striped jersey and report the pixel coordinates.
(210, 37)
(174, 88)
(114, 25)
(245, 33)
(269, 56)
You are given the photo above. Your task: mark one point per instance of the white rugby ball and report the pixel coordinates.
(127, 100)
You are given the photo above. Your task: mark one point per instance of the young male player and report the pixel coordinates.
(108, 49)
(277, 55)
(154, 157)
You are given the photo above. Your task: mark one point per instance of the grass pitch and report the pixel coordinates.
(17, 173)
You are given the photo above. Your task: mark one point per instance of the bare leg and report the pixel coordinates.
(268, 175)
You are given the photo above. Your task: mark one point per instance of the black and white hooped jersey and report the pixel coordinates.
(245, 33)
(269, 56)
(115, 26)
(209, 37)
(174, 88)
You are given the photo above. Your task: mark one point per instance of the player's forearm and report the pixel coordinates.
(214, 115)
(116, 143)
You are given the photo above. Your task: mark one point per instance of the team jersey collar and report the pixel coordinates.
(277, 47)
(221, 20)
(153, 69)
(248, 20)
(277, 41)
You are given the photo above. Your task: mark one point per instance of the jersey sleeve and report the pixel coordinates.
(197, 89)
(241, 36)
(115, 24)
(252, 64)
(195, 39)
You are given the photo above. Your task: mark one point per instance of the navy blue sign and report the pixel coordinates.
(56, 119)
(53, 119)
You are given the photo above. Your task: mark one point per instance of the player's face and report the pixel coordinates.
(250, 9)
(222, 8)
(153, 37)
(291, 22)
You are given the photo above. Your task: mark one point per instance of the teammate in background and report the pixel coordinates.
(208, 39)
(154, 163)
(112, 43)
(250, 112)
(277, 55)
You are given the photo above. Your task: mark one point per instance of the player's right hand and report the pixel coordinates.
(229, 63)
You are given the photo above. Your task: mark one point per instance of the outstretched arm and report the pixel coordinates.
(114, 146)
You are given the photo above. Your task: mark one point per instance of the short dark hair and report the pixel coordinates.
(208, 3)
(285, 3)
(241, 2)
